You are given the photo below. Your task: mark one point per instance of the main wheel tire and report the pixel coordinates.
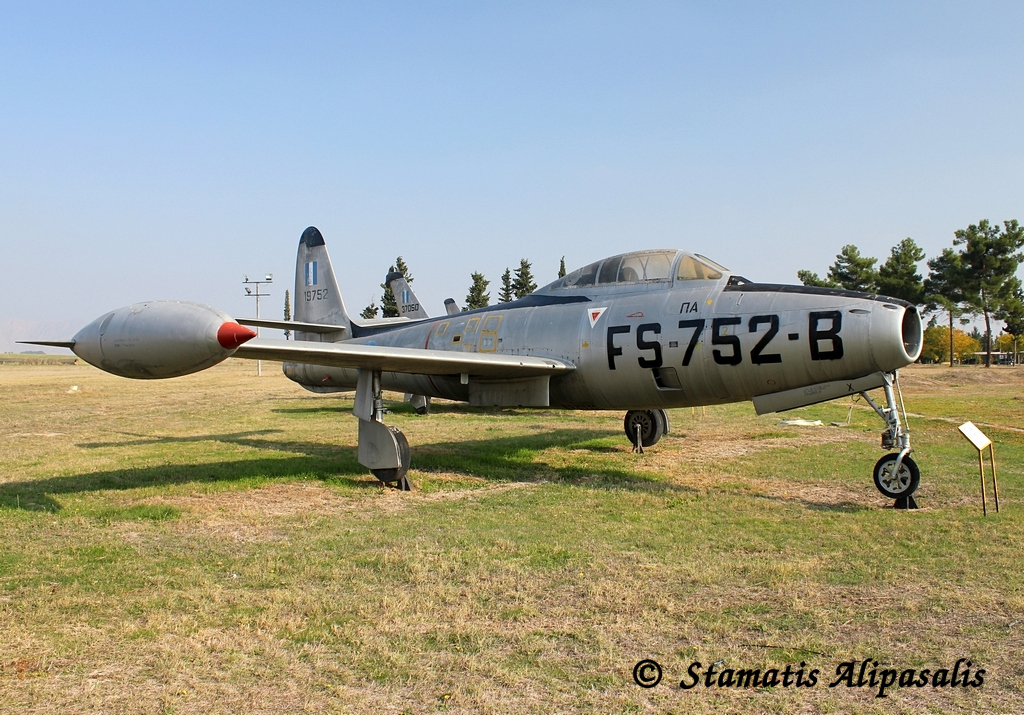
(397, 474)
(652, 426)
(902, 484)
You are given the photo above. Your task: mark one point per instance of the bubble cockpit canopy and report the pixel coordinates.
(643, 267)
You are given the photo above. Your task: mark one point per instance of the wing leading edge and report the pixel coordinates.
(417, 361)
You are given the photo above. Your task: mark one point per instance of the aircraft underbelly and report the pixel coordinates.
(321, 378)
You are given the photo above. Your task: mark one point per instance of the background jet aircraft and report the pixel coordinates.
(640, 332)
(408, 304)
(322, 379)
(318, 378)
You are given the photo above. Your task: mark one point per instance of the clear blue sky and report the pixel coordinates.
(151, 151)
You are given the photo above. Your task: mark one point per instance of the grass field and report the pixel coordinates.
(210, 544)
(32, 358)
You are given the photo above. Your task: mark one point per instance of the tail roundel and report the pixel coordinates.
(317, 296)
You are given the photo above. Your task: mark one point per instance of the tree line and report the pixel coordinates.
(514, 285)
(976, 276)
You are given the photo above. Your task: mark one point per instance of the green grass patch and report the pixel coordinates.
(137, 512)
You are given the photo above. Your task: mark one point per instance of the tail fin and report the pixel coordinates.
(409, 305)
(317, 296)
(451, 307)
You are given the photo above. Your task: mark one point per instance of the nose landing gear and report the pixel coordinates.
(896, 475)
(897, 483)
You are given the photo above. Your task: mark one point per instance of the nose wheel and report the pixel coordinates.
(896, 475)
(896, 483)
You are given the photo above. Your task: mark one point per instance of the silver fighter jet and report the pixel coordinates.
(639, 332)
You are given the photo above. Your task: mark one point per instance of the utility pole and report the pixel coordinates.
(257, 295)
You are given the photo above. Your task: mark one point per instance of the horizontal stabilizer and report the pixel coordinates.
(49, 343)
(292, 325)
(418, 361)
(813, 394)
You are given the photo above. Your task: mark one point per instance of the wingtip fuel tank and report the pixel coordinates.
(159, 339)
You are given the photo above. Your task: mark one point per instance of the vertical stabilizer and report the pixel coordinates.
(409, 305)
(317, 296)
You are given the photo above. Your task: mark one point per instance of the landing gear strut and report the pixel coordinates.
(383, 449)
(649, 425)
(896, 474)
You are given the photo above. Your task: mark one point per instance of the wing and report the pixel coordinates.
(292, 325)
(418, 361)
(320, 327)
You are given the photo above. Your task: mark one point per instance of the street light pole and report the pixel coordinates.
(257, 295)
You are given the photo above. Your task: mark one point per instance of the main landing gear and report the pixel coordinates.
(645, 427)
(383, 449)
(896, 474)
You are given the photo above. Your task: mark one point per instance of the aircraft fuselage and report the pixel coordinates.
(694, 343)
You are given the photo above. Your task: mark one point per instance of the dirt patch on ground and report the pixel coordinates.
(281, 501)
(929, 377)
(277, 500)
(701, 445)
(21, 668)
(832, 495)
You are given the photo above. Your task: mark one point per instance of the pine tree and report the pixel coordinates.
(1013, 315)
(990, 257)
(387, 299)
(1013, 320)
(287, 312)
(369, 311)
(523, 284)
(561, 268)
(404, 270)
(850, 271)
(853, 271)
(477, 297)
(813, 279)
(898, 276)
(506, 295)
(944, 289)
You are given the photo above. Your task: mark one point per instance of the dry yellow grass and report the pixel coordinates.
(209, 544)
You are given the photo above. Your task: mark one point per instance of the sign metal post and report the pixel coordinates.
(976, 437)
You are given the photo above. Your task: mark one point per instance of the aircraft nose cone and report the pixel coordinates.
(231, 335)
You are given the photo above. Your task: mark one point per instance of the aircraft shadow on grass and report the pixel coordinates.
(498, 459)
(404, 408)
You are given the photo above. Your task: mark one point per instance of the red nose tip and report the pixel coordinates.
(231, 335)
